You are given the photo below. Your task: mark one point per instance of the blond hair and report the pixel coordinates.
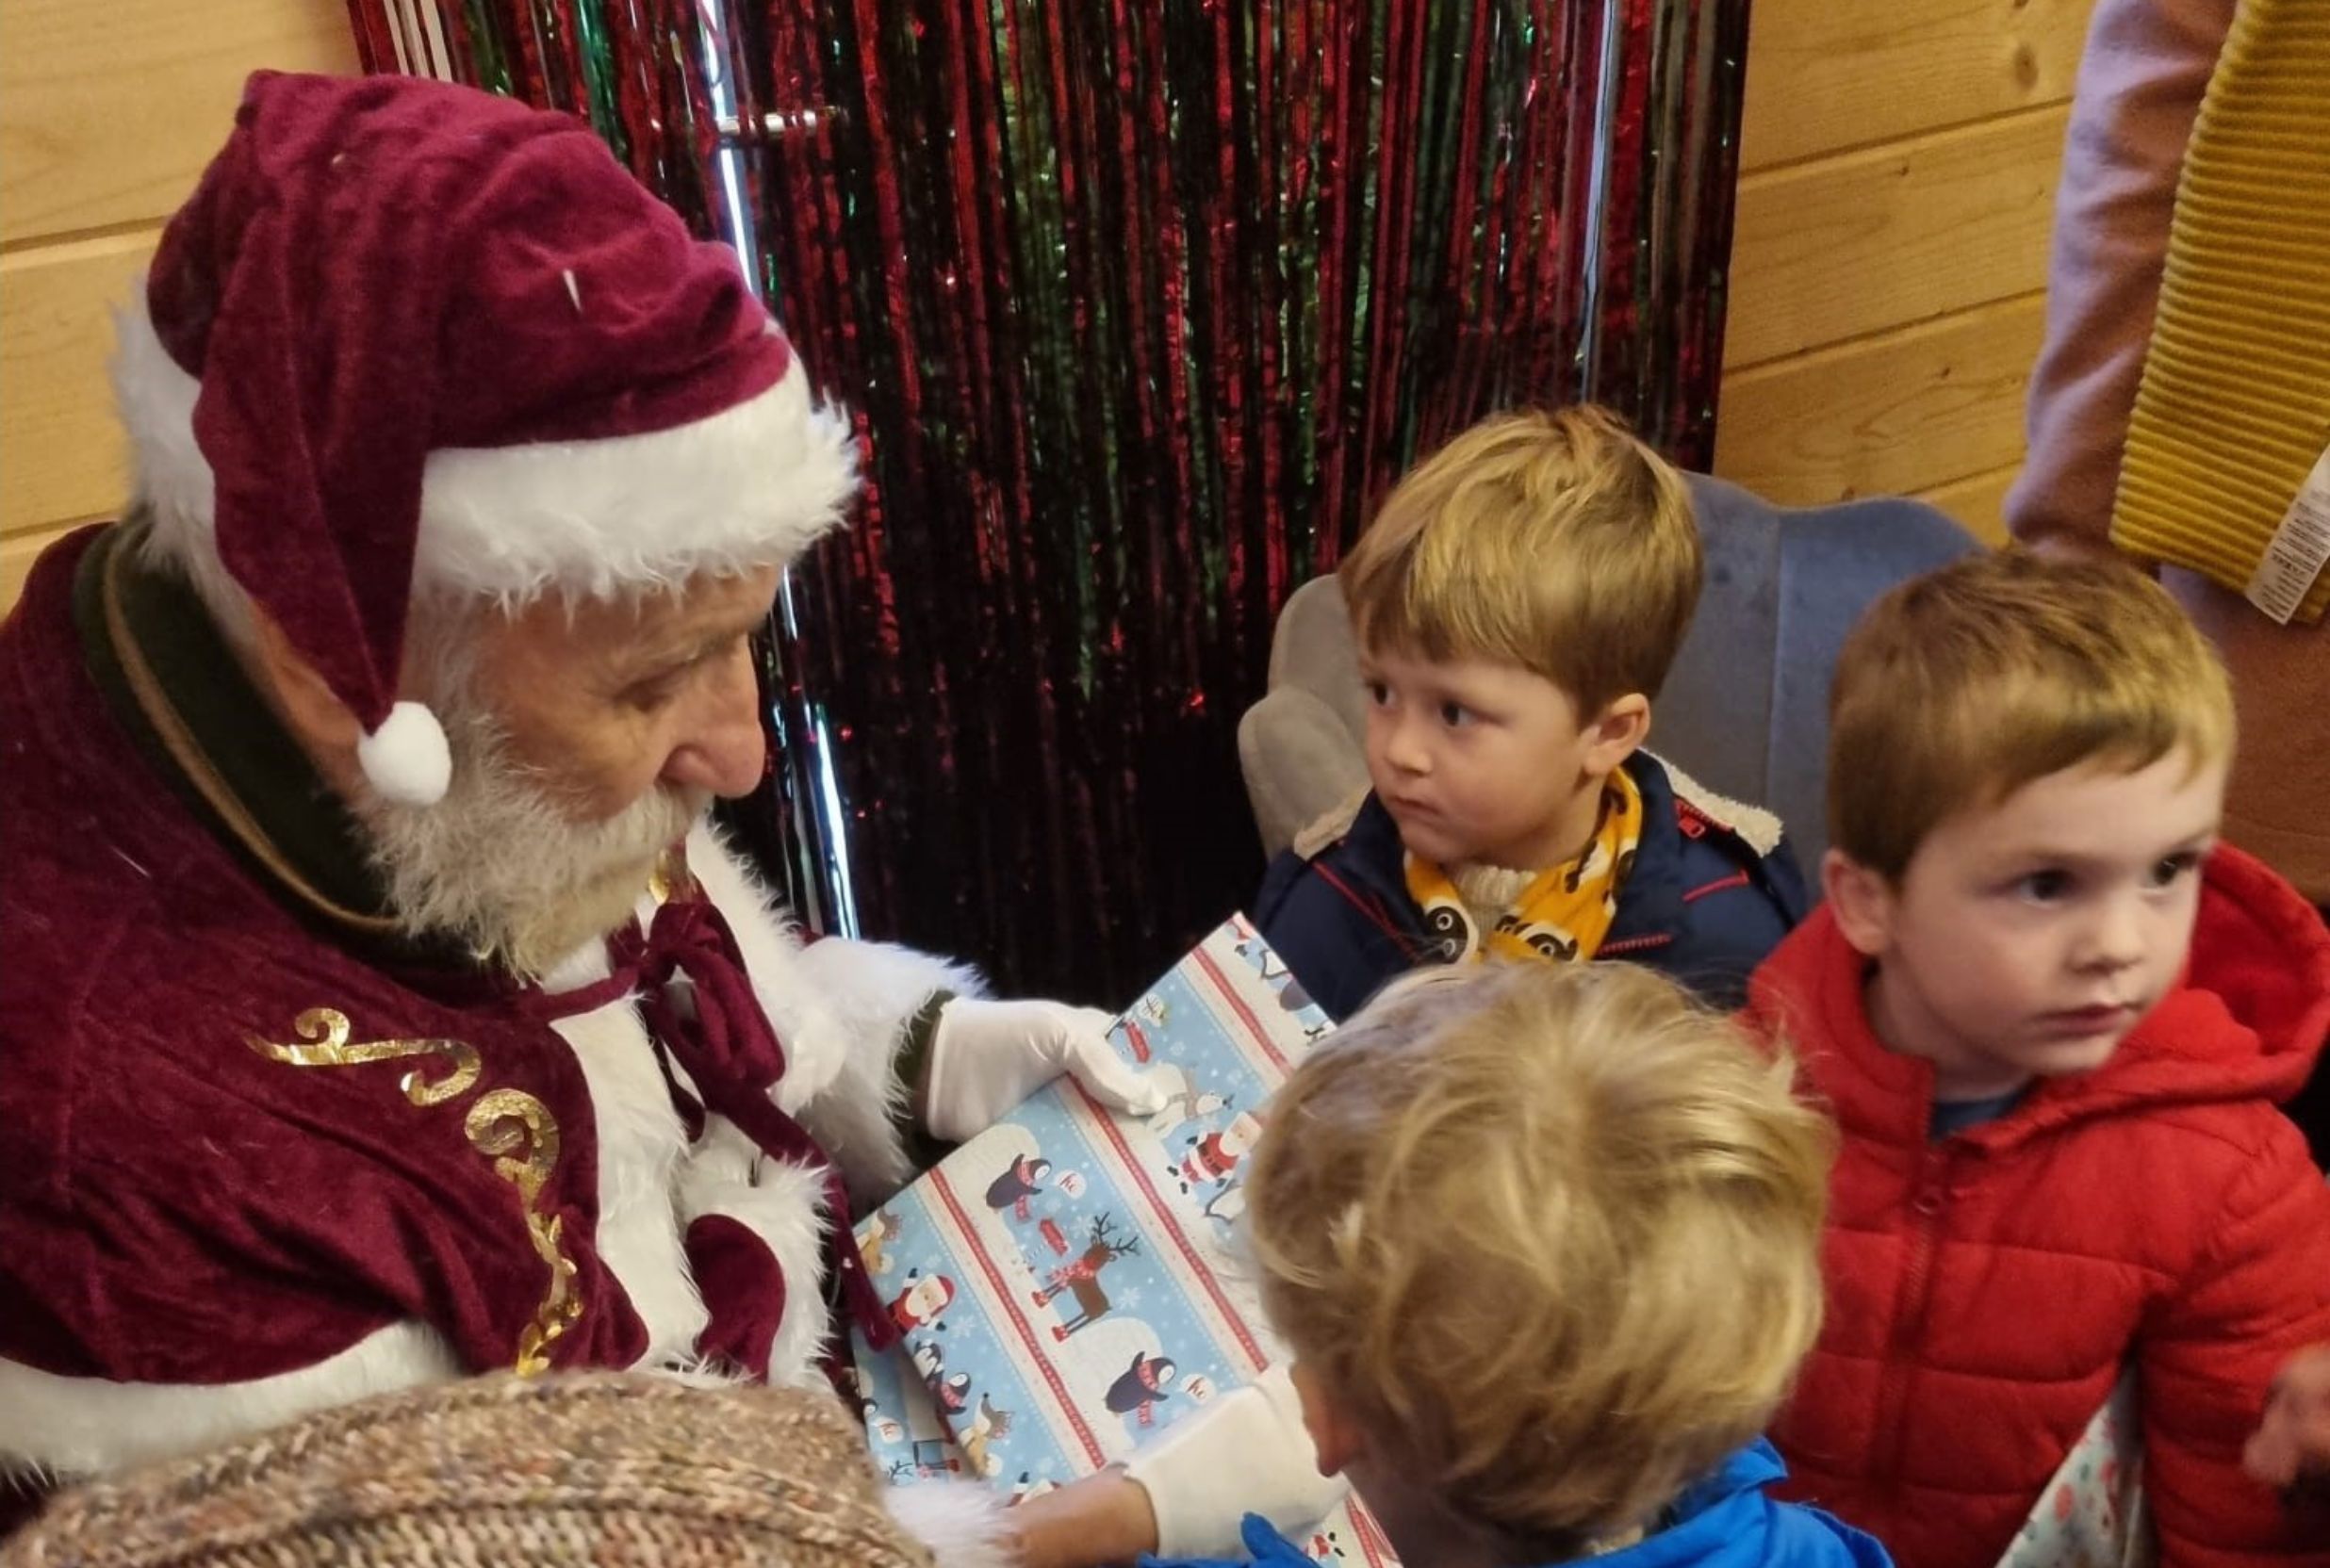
(1550, 1231)
(1959, 687)
(1554, 541)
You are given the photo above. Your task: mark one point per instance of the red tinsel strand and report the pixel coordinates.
(1334, 273)
(635, 66)
(375, 36)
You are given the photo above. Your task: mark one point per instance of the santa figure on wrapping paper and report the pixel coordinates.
(920, 1304)
(1214, 1158)
(381, 1007)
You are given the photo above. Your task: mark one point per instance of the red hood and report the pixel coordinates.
(2246, 1022)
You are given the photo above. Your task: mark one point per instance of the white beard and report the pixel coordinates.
(501, 865)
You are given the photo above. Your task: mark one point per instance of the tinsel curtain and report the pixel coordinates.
(1139, 305)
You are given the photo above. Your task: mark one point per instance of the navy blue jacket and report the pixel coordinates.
(1724, 1521)
(1701, 904)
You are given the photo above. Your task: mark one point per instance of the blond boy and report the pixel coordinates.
(1544, 1241)
(1517, 603)
(2053, 1016)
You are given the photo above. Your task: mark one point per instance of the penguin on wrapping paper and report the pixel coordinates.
(1016, 1186)
(1140, 1388)
(951, 1392)
(1268, 964)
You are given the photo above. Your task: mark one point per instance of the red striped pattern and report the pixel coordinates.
(1155, 1199)
(1245, 1014)
(1005, 1294)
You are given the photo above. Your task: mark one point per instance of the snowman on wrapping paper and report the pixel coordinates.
(1213, 1159)
(1186, 1101)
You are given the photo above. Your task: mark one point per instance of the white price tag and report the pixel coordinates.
(2294, 557)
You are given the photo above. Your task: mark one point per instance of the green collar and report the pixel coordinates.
(182, 694)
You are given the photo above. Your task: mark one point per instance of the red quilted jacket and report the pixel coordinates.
(1985, 1290)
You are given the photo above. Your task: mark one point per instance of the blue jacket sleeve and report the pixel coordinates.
(1340, 955)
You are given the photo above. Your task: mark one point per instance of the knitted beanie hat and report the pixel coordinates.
(597, 1468)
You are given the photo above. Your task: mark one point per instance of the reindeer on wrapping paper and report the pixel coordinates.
(1081, 1278)
(987, 1426)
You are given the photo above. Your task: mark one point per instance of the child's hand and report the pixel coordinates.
(1248, 1452)
(1101, 1519)
(2292, 1446)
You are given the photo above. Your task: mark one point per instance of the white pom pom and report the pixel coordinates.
(406, 758)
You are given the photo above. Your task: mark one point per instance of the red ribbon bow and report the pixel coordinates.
(716, 1029)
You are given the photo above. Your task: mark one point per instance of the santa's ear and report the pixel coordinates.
(323, 724)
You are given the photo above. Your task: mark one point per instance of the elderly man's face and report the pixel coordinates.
(605, 702)
(585, 742)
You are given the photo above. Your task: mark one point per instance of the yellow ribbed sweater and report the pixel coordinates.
(2234, 409)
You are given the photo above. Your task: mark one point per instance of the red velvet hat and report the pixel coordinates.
(411, 335)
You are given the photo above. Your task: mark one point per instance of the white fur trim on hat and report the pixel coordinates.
(752, 485)
(407, 758)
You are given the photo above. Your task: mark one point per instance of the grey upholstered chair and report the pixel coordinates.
(1744, 711)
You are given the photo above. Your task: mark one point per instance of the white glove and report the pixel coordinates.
(1246, 1453)
(988, 1057)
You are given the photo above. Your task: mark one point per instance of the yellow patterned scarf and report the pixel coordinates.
(1563, 913)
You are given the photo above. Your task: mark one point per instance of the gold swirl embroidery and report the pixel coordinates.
(325, 1034)
(671, 877)
(509, 1126)
(520, 1133)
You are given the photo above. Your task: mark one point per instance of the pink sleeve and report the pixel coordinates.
(2147, 65)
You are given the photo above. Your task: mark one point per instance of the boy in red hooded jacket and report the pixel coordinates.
(2053, 1016)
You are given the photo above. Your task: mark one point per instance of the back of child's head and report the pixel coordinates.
(1554, 541)
(1959, 687)
(1550, 1232)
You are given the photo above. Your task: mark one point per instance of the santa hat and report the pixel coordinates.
(407, 334)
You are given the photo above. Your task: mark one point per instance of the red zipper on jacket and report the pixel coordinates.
(1926, 1203)
(1368, 905)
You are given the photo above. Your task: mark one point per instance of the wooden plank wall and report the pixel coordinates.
(1888, 273)
(108, 114)
(1899, 161)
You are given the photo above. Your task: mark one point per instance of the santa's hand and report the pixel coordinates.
(988, 1057)
(1247, 1452)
